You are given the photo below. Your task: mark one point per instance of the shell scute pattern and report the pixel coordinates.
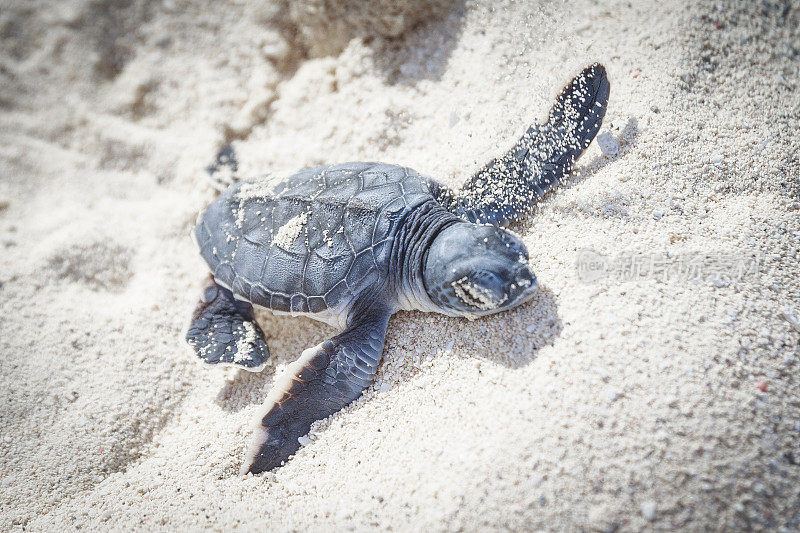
(335, 268)
(283, 270)
(224, 272)
(308, 177)
(253, 259)
(305, 189)
(324, 222)
(258, 293)
(372, 198)
(279, 302)
(358, 224)
(299, 303)
(338, 293)
(258, 228)
(362, 266)
(311, 242)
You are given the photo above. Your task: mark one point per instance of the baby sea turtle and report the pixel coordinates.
(350, 244)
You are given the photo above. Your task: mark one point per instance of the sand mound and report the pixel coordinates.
(325, 27)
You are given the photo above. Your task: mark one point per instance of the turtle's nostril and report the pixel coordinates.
(525, 277)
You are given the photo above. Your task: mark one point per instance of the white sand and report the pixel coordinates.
(602, 404)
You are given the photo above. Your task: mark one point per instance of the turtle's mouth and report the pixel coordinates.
(484, 293)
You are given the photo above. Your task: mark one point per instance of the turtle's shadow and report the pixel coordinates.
(511, 338)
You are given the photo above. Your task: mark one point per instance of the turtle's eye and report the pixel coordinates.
(512, 243)
(509, 239)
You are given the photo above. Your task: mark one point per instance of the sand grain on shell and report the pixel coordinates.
(660, 400)
(289, 231)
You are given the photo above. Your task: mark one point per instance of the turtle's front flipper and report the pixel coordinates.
(324, 380)
(507, 187)
(223, 331)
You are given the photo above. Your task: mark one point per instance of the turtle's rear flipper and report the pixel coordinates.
(223, 331)
(223, 172)
(324, 380)
(507, 187)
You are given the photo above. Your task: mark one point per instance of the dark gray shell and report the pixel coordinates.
(313, 241)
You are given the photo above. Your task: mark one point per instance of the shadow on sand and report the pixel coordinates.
(511, 339)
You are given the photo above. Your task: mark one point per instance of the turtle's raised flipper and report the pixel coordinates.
(508, 186)
(321, 382)
(223, 331)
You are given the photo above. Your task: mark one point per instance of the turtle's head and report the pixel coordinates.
(476, 270)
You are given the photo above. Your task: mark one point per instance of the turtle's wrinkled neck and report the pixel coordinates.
(414, 236)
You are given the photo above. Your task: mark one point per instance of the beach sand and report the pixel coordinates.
(653, 383)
